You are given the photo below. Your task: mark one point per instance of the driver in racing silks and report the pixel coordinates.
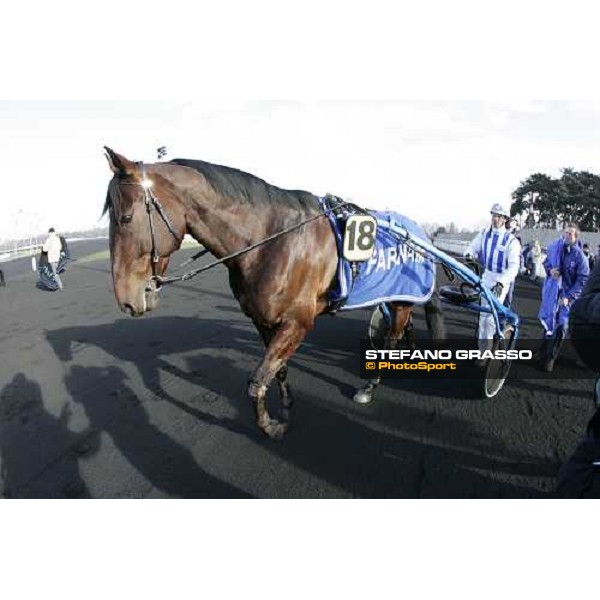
(498, 252)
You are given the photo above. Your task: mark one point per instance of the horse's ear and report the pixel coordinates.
(118, 164)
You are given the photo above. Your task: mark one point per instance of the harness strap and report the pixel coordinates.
(191, 259)
(150, 201)
(190, 274)
(161, 212)
(152, 237)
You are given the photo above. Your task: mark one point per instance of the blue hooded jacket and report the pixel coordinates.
(574, 271)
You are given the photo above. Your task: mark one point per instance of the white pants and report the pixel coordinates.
(487, 327)
(54, 269)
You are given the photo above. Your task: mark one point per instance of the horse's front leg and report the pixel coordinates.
(284, 389)
(283, 343)
(287, 400)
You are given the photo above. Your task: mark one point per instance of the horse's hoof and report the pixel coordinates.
(363, 396)
(275, 430)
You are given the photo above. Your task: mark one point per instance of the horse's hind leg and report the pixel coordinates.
(409, 335)
(282, 344)
(400, 323)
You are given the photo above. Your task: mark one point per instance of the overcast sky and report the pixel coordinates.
(432, 161)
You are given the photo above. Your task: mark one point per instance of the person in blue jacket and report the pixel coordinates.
(579, 477)
(567, 270)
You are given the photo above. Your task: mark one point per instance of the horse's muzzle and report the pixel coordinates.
(130, 310)
(144, 301)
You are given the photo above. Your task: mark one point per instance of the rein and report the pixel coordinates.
(151, 202)
(190, 274)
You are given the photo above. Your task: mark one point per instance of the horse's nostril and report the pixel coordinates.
(128, 308)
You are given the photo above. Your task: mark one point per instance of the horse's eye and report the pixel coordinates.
(125, 219)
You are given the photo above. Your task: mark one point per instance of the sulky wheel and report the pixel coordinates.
(379, 327)
(496, 371)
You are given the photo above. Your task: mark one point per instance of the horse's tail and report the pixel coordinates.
(434, 317)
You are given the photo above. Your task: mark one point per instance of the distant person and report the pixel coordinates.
(2, 282)
(567, 270)
(536, 259)
(498, 251)
(527, 259)
(590, 257)
(53, 247)
(580, 475)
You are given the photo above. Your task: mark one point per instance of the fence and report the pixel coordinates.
(456, 247)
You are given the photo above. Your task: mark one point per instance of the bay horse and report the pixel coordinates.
(282, 285)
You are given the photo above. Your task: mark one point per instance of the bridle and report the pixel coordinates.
(152, 204)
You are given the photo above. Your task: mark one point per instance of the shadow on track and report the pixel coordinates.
(144, 343)
(38, 451)
(113, 408)
(381, 461)
(353, 449)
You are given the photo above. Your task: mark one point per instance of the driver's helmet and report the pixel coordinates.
(499, 209)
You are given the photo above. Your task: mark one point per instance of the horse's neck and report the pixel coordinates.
(221, 225)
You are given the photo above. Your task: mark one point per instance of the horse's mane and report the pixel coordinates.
(108, 202)
(239, 185)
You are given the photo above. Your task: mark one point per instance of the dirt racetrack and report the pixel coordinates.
(96, 404)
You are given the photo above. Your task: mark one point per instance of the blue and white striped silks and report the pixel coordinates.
(394, 272)
(550, 313)
(494, 250)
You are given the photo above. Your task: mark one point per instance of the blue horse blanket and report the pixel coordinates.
(46, 277)
(394, 273)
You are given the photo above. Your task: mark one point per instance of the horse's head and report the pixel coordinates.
(147, 224)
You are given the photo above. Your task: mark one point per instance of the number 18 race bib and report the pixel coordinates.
(359, 238)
